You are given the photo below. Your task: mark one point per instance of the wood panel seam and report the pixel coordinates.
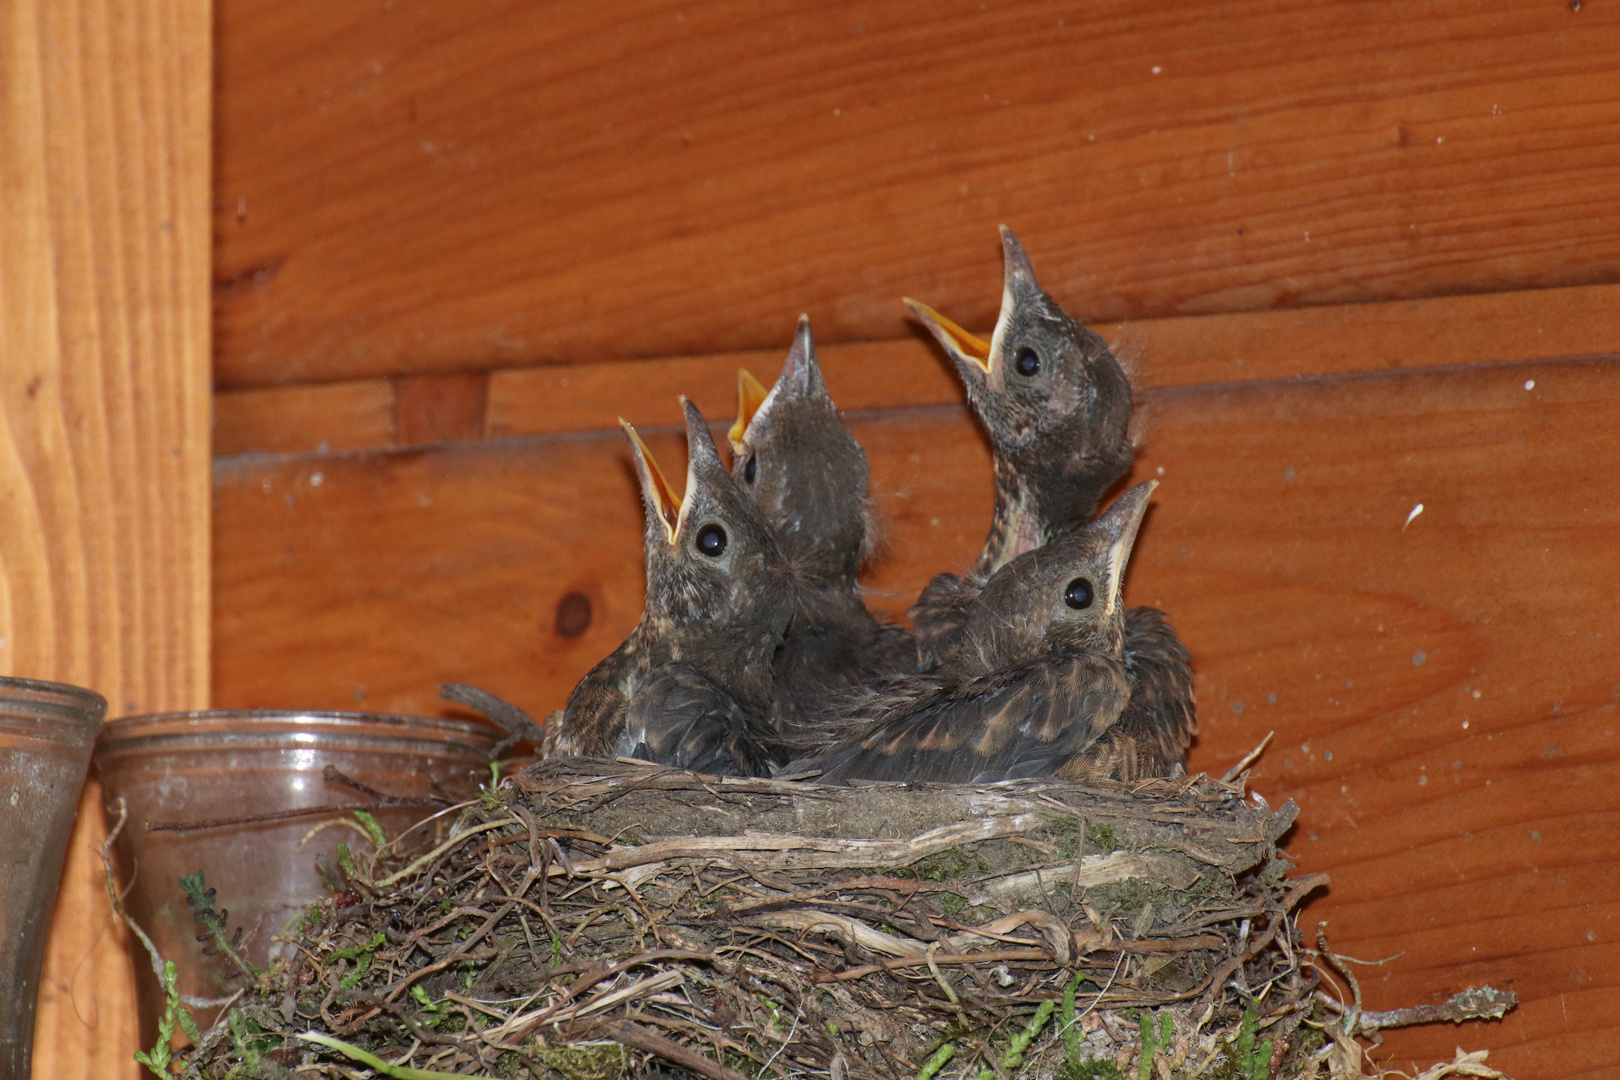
(897, 413)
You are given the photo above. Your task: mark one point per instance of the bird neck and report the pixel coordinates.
(823, 567)
(1016, 525)
(1036, 503)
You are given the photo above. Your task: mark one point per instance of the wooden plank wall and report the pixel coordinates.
(1356, 254)
(104, 347)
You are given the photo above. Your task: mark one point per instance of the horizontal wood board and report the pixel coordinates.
(1188, 350)
(1443, 687)
(414, 187)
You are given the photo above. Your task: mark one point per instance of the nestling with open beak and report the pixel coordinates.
(808, 476)
(1057, 406)
(691, 685)
(1036, 688)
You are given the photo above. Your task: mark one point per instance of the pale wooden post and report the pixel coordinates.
(104, 378)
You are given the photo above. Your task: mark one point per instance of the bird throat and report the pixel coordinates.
(1016, 526)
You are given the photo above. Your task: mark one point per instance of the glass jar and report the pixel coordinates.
(244, 798)
(47, 731)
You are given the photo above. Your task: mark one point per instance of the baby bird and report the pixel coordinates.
(691, 685)
(804, 470)
(1057, 406)
(1037, 687)
(1056, 403)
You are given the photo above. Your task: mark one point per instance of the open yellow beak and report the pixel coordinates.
(953, 337)
(669, 504)
(750, 396)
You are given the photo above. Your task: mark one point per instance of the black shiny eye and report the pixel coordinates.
(1026, 362)
(748, 469)
(1078, 595)
(711, 541)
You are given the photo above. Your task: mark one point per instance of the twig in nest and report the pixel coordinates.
(648, 1041)
(1005, 956)
(117, 901)
(1483, 1003)
(1106, 987)
(786, 913)
(1248, 759)
(1352, 1016)
(1301, 888)
(380, 798)
(518, 725)
(1474, 1003)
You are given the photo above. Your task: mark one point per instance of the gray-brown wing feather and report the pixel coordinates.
(677, 717)
(1163, 717)
(595, 714)
(1028, 721)
(833, 648)
(939, 618)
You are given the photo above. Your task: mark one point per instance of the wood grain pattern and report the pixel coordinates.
(104, 345)
(439, 408)
(1443, 691)
(324, 416)
(1443, 694)
(1189, 350)
(417, 187)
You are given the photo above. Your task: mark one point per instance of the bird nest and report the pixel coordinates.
(593, 920)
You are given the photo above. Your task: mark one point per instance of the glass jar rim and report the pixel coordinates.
(53, 709)
(146, 730)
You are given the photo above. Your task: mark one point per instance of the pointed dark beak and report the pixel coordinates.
(800, 380)
(1016, 265)
(1120, 523)
(801, 371)
(702, 456)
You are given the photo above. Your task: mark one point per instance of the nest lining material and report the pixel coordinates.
(591, 920)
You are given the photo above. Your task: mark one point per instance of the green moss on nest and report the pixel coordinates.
(1102, 837)
(1095, 1069)
(1124, 899)
(579, 1061)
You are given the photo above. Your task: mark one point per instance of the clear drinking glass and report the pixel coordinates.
(211, 770)
(47, 731)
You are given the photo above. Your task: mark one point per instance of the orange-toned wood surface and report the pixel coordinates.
(1360, 255)
(410, 187)
(104, 346)
(375, 413)
(1443, 690)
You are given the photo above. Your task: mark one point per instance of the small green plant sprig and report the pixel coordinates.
(204, 905)
(175, 1015)
(1012, 1059)
(364, 1057)
(492, 795)
(1072, 1068)
(362, 955)
(1253, 1062)
(936, 1062)
(248, 1039)
(374, 831)
(1152, 1041)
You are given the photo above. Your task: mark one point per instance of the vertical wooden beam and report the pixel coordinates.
(104, 352)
